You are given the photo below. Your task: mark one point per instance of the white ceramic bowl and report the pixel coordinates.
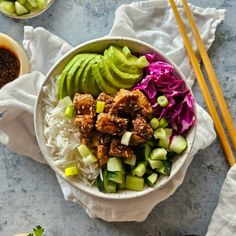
(98, 46)
(32, 14)
(10, 44)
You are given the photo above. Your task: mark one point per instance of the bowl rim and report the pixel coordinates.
(29, 15)
(9, 43)
(88, 189)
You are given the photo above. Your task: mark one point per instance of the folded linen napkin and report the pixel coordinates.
(150, 21)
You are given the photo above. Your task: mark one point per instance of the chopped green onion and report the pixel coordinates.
(139, 170)
(126, 51)
(162, 101)
(154, 123)
(159, 133)
(100, 106)
(71, 171)
(142, 62)
(114, 164)
(125, 140)
(163, 123)
(158, 154)
(69, 111)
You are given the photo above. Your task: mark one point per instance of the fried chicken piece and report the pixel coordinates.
(110, 124)
(136, 140)
(142, 128)
(107, 99)
(125, 103)
(102, 155)
(84, 123)
(119, 150)
(144, 104)
(84, 104)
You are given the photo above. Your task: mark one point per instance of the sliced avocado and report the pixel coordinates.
(127, 78)
(123, 63)
(72, 72)
(103, 85)
(62, 78)
(76, 83)
(88, 82)
(114, 82)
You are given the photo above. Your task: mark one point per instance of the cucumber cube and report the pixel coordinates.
(158, 154)
(116, 176)
(148, 151)
(139, 170)
(22, 2)
(33, 3)
(125, 139)
(20, 9)
(69, 112)
(166, 168)
(178, 144)
(109, 186)
(159, 133)
(100, 184)
(151, 179)
(114, 164)
(41, 4)
(155, 164)
(30, 8)
(8, 7)
(134, 183)
(142, 62)
(164, 142)
(88, 160)
(130, 161)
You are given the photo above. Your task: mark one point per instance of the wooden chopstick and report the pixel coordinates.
(203, 86)
(229, 123)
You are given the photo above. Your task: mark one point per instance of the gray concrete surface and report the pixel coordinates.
(29, 193)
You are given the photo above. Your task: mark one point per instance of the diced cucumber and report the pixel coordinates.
(148, 151)
(150, 143)
(41, 3)
(116, 176)
(158, 154)
(109, 186)
(33, 3)
(130, 161)
(100, 184)
(166, 141)
(125, 139)
(126, 51)
(166, 168)
(83, 150)
(69, 111)
(8, 6)
(142, 62)
(154, 123)
(155, 164)
(159, 133)
(178, 144)
(139, 170)
(100, 106)
(121, 186)
(134, 183)
(29, 6)
(151, 179)
(88, 160)
(20, 9)
(114, 164)
(22, 1)
(163, 123)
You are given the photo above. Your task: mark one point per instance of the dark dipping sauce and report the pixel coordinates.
(9, 66)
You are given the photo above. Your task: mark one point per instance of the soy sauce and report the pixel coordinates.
(9, 66)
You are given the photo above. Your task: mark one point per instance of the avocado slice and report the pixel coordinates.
(88, 82)
(76, 83)
(72, 72)
(126, 78)
(62, 78)
(114, 82)
(122, 62)
(103, 85)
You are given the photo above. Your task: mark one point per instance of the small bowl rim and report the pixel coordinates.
(89, 189)
(29, 15)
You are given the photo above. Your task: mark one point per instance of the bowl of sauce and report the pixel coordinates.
(13, 60)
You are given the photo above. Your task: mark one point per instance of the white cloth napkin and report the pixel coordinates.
(150, 21)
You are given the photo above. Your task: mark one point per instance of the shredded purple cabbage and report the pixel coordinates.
(161, 80)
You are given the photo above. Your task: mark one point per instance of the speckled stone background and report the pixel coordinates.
(29, 193)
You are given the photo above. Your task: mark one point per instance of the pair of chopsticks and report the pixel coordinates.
(229, 124)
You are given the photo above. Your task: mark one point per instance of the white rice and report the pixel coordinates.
(63, 137)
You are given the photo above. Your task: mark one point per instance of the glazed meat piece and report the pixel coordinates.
(102, 155)
(142, 128)
(119, 150)
(84, 104)
(110, 124)
(136, 140)
(144, 104)
(125, 103)
(84, 123)
(107, 99)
